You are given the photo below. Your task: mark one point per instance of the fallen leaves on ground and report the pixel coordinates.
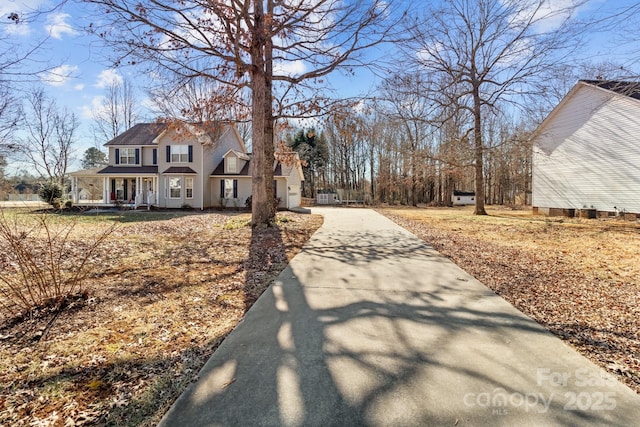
(165, 294)
(578, 278)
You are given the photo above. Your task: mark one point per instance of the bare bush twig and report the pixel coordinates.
(41, 263)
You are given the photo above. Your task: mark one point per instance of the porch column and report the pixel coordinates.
(105, 190)
(136, 197)
(74, 189)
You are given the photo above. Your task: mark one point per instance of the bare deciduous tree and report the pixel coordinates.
(404, 102)
(10, 114)
(248, 44)
(487, 52)
(118, 111)
(49, 140)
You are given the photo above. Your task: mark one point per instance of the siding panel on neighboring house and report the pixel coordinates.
(588, 154)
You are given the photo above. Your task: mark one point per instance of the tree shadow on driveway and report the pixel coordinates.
(405, 339)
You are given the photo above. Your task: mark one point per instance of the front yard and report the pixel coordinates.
(170, 286)
(168, 289)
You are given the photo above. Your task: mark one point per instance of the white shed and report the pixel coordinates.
(586, 153)
(463, 198)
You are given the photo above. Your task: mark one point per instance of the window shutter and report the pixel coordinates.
(275, 188)
(117, 156)
(222, 188)
(235, 188)
(168, 154)
(113, 188)
(124, 185)
(190, 153)
(137, 156)
(155, 156)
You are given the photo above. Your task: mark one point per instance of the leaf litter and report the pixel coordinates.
(163, 295)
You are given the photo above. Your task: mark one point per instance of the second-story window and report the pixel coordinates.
(127, 156)
(179, 154)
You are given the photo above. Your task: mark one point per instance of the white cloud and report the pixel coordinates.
(289, 68)
(107, 78)
(547, 16)
(79, 87)
(19, 29)
(95, 107)
(57, 25)
(58, 76)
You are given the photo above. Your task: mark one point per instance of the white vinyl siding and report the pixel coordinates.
(587, 155)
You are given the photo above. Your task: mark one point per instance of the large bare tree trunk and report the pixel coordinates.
(478, 152)
(260, 207)
(269, 124)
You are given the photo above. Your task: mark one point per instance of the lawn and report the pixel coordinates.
(168, 287)
(165, 290)
(579, 278)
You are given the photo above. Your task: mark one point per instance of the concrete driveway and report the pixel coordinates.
(370, 326)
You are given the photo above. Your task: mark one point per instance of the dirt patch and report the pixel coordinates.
(578, 278)
(166, 293)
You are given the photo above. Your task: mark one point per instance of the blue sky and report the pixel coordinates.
(83, 71)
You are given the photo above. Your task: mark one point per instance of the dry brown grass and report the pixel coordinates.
(169, 289)
(579, 278)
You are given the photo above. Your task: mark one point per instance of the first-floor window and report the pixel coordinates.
(174, 188)
(119, 189)
(188, 188)
(229, 189)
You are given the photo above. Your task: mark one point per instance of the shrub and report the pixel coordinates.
(51, 193)
(40, 262)
(247, 203)
(68, 204)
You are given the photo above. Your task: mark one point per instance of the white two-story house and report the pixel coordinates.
(173, 166)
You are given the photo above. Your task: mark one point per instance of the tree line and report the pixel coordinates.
(465, 83)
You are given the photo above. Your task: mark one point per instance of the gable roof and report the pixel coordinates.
(238, 154)
(140, 134)
(219, 170)
(630, 89)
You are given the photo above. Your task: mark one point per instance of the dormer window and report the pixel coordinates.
(232, 164)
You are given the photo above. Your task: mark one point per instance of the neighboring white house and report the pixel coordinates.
(169, 166)
(586, 153)
(463, 198)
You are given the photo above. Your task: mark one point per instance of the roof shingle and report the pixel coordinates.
(140, 134)
(128, 170)
(630, 89)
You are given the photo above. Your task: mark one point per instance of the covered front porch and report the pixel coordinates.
(116, 188)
